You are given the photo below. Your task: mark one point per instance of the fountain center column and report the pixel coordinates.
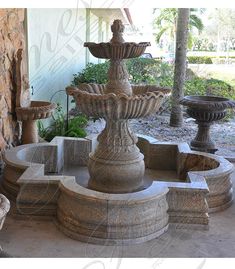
(116, 166)
(118, 78)
(117, 142)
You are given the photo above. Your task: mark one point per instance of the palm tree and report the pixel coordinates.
(176, 118)
(166, 23)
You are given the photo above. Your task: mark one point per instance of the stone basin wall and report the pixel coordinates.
(12, 38)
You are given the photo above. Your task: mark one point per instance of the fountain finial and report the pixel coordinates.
(117, 28)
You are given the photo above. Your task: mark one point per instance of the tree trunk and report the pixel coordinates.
(176, 118)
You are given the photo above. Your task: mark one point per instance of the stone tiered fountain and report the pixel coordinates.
(119, 189)
(117, 166)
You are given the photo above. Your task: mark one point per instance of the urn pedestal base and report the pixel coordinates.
(202, 141)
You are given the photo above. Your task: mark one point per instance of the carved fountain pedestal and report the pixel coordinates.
(206, 110)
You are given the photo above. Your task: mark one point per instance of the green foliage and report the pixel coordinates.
(155, 72)
(203, 44)
(199, 60)
(201, 86)
(58, 126)
(148, 71)
(207, 59)
(93, 73)
(141, 71)
(151, 71)
(166, 22)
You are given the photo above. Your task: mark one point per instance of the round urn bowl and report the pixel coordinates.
(28, 115)
(206, 110)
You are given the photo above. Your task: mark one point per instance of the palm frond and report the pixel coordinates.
(159, 34)
(195, 21)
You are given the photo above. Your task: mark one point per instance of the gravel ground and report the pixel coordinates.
(157, 126)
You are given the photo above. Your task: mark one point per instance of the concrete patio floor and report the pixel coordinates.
(34, 238)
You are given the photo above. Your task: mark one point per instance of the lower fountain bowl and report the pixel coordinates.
(92, 101)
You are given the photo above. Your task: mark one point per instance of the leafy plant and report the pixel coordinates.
(93, 73)
(141, 70)
(155, 72)
(166, 23)
(58, 126)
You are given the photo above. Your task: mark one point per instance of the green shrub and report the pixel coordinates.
(151, 71)
(155, 72)
(58, 126)
(202, 86)
(147, 71)
(93, 73)
(141, 71)
(199, 59)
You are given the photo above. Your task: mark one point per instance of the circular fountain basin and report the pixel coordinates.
(50, 179)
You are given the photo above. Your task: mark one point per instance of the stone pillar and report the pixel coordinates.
(30, 133)
(202, 141)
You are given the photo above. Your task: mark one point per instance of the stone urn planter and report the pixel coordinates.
(28, 115)
(206, 110)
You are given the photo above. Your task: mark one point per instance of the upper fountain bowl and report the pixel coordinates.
(117, 51)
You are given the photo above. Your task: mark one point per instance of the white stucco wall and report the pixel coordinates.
(55, 48)
(94, 28)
